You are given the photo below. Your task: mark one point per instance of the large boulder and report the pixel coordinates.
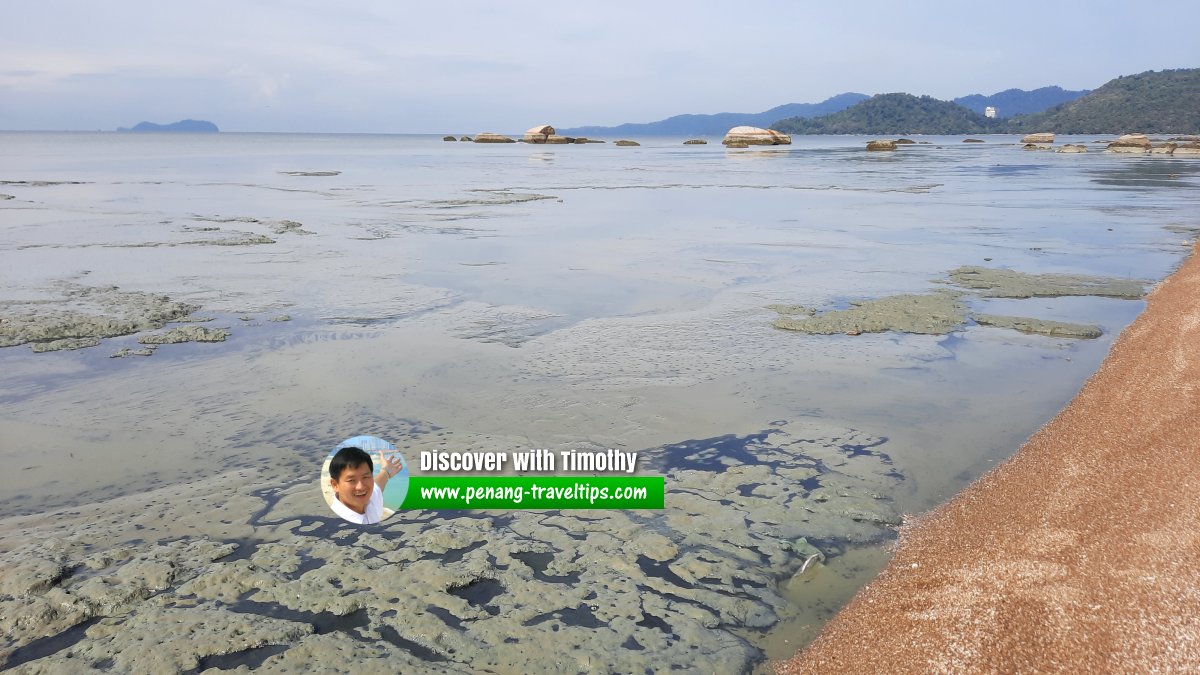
(489, 137)
(756, 136)
(695, 141)
(1164, 149)
(1133, 143)
(905, 141)
(449, 138)
(539, 134)
(627, 144)
(1190, 149)
(1045, 137)
(881, 145)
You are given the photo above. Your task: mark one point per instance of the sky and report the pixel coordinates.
(464, 67)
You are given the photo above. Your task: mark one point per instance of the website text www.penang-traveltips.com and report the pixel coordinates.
(516, 494)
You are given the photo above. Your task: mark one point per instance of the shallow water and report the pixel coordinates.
(463, 297)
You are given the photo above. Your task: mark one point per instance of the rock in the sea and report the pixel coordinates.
(1190, 149)
(972, 140)
(449, 138)
(756, 136)
(628, 144)
(1034, 146)
(539, 134)
(489, 137)
(695, 141)
(1071, 147)
(905, 141)
(1044, 137)
(1132, 143)
(466, 139)
(881, 145)
(1163, 149)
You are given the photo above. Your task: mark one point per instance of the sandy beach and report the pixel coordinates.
(1078, 554)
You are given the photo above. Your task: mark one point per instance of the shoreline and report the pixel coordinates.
(1073, 556)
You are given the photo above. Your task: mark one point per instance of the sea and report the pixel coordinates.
(454, 296)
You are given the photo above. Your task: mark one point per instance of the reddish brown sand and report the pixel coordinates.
(1081, 554)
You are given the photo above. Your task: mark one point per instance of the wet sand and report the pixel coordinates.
(1078, 554)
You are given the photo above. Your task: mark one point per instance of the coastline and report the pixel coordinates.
(1073, 556)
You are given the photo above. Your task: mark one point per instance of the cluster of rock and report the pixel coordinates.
(744, 137)
(543, 134)
(885, 144)
(1141, 144)
(1138, 144)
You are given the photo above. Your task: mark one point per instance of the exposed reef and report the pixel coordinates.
(1040, 326)
(929, 314)
(83, 315)
(1001, 283)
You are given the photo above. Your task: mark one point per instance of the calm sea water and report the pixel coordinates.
(556, 294)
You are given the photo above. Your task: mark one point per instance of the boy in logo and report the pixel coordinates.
(356, 496)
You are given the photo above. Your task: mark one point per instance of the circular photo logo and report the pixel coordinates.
(364, 479)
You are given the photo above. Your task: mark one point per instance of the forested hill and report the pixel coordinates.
(1163, 102)
(719, 123)
(890, 114)
(1011, 102)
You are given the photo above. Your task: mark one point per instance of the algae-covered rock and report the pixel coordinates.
(930, 314)
(1040, 326)
(64, 344)
(186, 334)
(126, 352)
(1001, 283)
(84, 315)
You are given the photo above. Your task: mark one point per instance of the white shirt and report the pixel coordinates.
(372, 515)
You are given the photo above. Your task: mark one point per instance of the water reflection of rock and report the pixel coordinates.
(229, 562)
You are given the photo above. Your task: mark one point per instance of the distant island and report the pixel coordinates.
(1166, 102)
(718, 123)
(194, 126)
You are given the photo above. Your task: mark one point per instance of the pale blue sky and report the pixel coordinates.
(464, 67)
